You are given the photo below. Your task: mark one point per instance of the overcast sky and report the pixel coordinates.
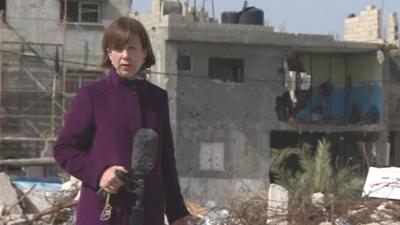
(298, 16)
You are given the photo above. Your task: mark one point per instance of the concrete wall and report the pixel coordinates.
(40, 22)
(393, 87)
(394, 106)
(393, 28)
(35, 21)
(365, 27)
(222, 128)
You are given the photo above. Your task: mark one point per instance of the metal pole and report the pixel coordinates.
(212, 8)
(64, 70)
(1, 66)
(194, 10)
(28, 162)
(53, 99)
(382, 31)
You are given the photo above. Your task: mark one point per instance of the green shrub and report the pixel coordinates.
(315, 174)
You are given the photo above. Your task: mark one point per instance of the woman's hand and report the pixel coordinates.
(109, 181)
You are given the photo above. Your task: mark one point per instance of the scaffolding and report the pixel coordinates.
(36, 89)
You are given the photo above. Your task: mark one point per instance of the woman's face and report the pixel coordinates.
(128, 60)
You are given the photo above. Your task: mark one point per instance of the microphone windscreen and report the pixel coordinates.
(144, 151)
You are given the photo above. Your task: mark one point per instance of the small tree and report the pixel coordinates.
(315, 174)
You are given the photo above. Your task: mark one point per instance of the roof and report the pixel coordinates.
(181, 29)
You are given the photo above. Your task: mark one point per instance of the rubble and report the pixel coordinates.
(261, 208)
(8, 196)
(278, 198)
(71, 188)
(41, 204)
(318, 200)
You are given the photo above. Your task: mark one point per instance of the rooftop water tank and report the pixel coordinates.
(230, 17)
(252, 16)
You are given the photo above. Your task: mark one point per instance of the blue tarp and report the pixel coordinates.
(365, 96)
(42, 184)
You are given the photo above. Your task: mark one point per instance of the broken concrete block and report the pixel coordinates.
(278, 198)
(318, 200)
(39, 195)
(72, 188)
(41, 200)
(8, 195)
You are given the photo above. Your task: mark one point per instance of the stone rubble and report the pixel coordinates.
(8, 196)
(34, 203)
(386, 212)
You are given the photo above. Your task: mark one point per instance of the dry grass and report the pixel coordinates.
(254, 211)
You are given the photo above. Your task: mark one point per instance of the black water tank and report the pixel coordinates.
(252, 15)
(230, 17)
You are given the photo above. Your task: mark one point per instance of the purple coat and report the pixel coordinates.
(98, 133)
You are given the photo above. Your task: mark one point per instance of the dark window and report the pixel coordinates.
(72, 11)
(226, 69)
(84, 12)
(184, 62)
(3, 7)
(90, 12)
(77, 80)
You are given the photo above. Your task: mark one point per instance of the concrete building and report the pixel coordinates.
(35, 40)
(366, 22)
(237, 91)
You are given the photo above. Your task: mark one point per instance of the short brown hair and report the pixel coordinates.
(119, 33)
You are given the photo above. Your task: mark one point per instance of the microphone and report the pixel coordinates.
(143, 157)
(142, 162)
(144, 151)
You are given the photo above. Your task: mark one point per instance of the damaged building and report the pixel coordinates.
(237, 88)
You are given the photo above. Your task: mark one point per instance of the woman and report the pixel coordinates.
(96, 139)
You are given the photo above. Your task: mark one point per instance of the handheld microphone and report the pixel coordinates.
(144, 151)
(142, 162)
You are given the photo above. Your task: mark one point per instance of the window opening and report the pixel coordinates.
(226, 69)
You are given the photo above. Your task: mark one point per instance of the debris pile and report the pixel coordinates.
(22, 204)
(266, 208)
(365, 211)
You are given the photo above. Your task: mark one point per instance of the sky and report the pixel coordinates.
(296, 16)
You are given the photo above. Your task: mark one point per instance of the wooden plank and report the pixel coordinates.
(28, 162)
